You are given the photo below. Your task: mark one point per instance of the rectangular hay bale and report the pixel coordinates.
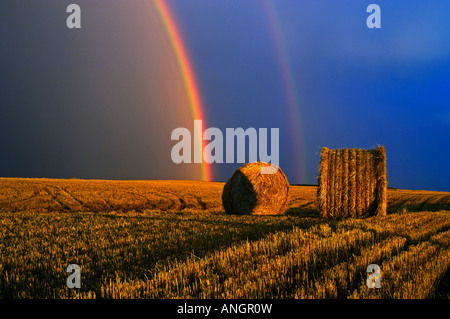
(352, 183)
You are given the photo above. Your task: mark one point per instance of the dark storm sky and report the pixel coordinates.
(89, 103)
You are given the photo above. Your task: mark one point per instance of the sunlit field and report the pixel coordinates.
(172, 239)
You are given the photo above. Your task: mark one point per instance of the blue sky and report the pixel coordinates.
(79, 104)
(356, 87)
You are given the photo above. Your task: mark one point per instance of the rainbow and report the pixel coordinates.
(288, 85)
(192, 89)
(187, 74)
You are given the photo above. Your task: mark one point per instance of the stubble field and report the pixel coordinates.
(172, 239)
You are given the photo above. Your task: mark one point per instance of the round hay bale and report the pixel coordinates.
(248, 192)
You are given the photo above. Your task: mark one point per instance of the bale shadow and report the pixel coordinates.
(302, 212)
(415, 208)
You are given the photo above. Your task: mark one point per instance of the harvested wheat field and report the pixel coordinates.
(173, 239)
